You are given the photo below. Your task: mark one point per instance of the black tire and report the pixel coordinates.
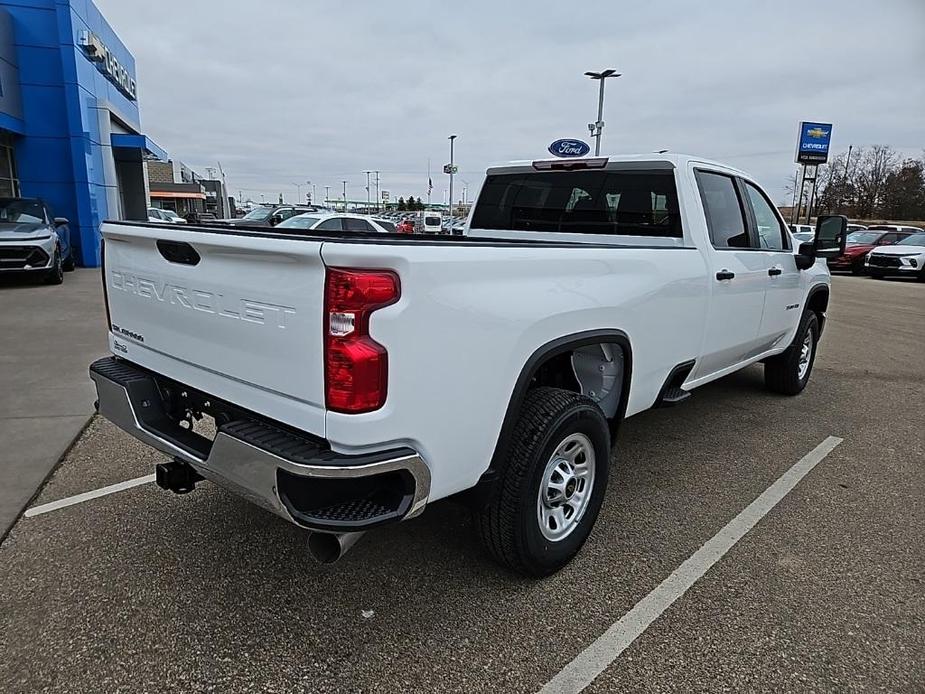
(858, 267)
(782, 373)
(508, 521)
(69, 265)
(56, 274)
(876, 275)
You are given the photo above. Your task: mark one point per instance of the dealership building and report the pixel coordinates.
(70, 131)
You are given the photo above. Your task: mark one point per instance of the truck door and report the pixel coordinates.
(738, 276)
(782, 303)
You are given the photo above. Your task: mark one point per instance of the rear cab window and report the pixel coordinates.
(629, 202)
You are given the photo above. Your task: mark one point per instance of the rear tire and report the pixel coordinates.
(69, 265)
(541, 509)
(788, 372)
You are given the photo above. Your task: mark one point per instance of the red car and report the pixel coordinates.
(860, 243)
(405, 226)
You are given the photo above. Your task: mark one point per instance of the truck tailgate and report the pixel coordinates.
(237, 315)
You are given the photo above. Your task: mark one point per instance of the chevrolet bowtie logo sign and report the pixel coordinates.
(107, 63)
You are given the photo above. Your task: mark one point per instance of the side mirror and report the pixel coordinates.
(831, 236)
(60, 222)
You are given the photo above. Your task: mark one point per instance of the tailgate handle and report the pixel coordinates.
(178, 252)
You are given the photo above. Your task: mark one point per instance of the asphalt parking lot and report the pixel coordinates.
(143, 591)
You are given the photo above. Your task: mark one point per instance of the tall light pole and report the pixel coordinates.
(598, 126)
(298, 195)
(309, 183)
(378, 200)
(327, 194)
(345, 195)
(368, 174)
(451, 138)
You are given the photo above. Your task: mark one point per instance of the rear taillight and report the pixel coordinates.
(356, 366)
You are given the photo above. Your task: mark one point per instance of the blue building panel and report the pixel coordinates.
(74, 102)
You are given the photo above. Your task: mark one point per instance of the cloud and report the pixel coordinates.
(285, 91)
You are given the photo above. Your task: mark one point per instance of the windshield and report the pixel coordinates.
(21, 211)
(862, 237)
(299, 222)
(914, 240)
(258, 214)
(171, 214)
(385, 224)
(432, 221)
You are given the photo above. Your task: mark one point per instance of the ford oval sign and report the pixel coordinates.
(569, 148)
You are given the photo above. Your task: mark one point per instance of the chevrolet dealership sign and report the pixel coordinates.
(107, 63)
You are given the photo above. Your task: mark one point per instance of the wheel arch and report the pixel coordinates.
(544, 355)
(817, 300)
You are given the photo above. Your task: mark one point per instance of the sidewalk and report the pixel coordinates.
(48, 337)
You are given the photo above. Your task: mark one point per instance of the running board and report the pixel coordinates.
(672, 393)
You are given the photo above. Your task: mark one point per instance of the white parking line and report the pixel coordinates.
(592, 661)
(86, 496)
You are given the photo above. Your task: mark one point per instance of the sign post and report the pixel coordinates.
(813, 142)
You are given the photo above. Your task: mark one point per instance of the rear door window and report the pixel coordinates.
(620, 203)
(724, 211)
(357, 224)
(333, 224)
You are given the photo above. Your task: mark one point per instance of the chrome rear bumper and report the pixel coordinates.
(294, 476)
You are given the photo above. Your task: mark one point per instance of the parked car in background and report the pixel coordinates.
(896, 227)
(314, 221)
(856, 227)
(860, 243)
(905, 258)
(156, 214)
(405, 226)
(269, 215)
(803, 237)
(33, 240)
(431, 222)
(802, 229)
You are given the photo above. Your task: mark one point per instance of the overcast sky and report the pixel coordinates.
(286, 91)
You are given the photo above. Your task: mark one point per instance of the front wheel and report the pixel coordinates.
(55, 275)
(546, 498)
(788, 372)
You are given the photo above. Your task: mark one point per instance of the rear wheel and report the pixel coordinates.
(69, 265)
(546, 499)
(788, 373)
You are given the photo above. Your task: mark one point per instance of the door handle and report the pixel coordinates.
(725, 275)
(774, 271)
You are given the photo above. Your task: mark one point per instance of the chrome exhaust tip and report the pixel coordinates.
(327, 548)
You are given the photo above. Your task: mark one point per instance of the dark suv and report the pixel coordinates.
(269, 216)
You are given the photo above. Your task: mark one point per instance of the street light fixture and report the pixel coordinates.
(451, 139)
(598, 126)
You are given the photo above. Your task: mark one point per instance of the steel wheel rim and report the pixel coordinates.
(806, 353)
(566, 487)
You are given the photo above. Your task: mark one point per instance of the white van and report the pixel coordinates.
(432, 222)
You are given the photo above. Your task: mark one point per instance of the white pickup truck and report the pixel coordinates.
(354, 379)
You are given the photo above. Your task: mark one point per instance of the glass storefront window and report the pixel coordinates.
(9, 184)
